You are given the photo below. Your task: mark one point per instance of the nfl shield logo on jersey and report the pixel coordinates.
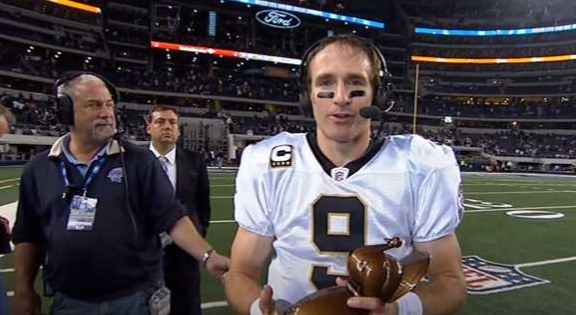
(485, 277)
(339, 173)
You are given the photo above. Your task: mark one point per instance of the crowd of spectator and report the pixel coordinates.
(489, 13)
(492, 69)
(237, 84)
(543, 39)
(501, 89)
(515, 108)
(36, 117)
(183, 80)
(509, 143)
(40, 118)
(491, 52)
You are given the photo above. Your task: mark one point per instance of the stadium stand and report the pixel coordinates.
(525, 110)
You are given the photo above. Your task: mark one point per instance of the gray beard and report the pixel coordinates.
(102, 133)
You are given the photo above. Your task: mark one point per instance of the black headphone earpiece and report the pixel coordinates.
(383, 86)
(65, 104)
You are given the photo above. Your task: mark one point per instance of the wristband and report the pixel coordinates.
(410, 304)
(255, 307)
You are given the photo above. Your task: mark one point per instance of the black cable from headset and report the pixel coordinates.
(127, 202)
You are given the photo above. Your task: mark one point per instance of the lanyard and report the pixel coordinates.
(91, 173)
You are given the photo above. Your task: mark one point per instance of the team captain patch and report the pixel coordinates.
(281, 156)
(485, 277)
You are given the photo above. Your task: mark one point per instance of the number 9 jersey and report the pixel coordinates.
(317, 213)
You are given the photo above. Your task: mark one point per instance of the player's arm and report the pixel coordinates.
(439, 213)
(253, 242)
(445, 292)
(247, 258)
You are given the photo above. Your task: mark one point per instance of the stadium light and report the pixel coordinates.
(486, 33)
(224, 52)
(78, 5)
(493, 60)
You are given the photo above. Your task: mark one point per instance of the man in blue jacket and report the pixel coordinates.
(90, 211)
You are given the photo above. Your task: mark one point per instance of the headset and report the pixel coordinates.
(383, 85)
(64, 102)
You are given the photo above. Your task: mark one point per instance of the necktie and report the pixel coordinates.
(164, 161)
(164, 237)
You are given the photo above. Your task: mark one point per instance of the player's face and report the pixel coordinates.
(163, 127)
(340, 69)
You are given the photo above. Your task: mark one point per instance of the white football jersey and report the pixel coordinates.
(406, 187)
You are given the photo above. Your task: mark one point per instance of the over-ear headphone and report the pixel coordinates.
(64, 102)
(382, 85)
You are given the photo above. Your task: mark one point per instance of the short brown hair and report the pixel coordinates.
(160, 108)
(348, 40)
(10, 118)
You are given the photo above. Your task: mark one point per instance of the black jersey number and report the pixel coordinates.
(339, 228)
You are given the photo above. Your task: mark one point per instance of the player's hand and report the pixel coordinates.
(26, 302)
(217, 265)
(372, 304)
(267, 305)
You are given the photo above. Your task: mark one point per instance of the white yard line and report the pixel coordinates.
(516, 184)
(546, 262)
(9, 180)
(470, 193)
(222, 221)
(465, 211)
(517, 192)
(214, 304)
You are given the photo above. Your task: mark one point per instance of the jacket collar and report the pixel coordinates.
(113, 147)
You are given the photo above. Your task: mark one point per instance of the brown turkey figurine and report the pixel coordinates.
(372, 273)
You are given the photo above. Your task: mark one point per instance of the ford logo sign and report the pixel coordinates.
(278, 19)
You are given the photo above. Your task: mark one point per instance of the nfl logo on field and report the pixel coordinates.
(485, 277)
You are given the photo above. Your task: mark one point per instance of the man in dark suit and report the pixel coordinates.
(188, 175)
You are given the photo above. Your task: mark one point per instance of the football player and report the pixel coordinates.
(312, 198)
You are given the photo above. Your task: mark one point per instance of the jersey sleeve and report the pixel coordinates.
(438, 199)
(251, 208)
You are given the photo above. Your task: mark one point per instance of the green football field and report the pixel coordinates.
(522, 230)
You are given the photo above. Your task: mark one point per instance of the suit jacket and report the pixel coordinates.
(193, 188)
